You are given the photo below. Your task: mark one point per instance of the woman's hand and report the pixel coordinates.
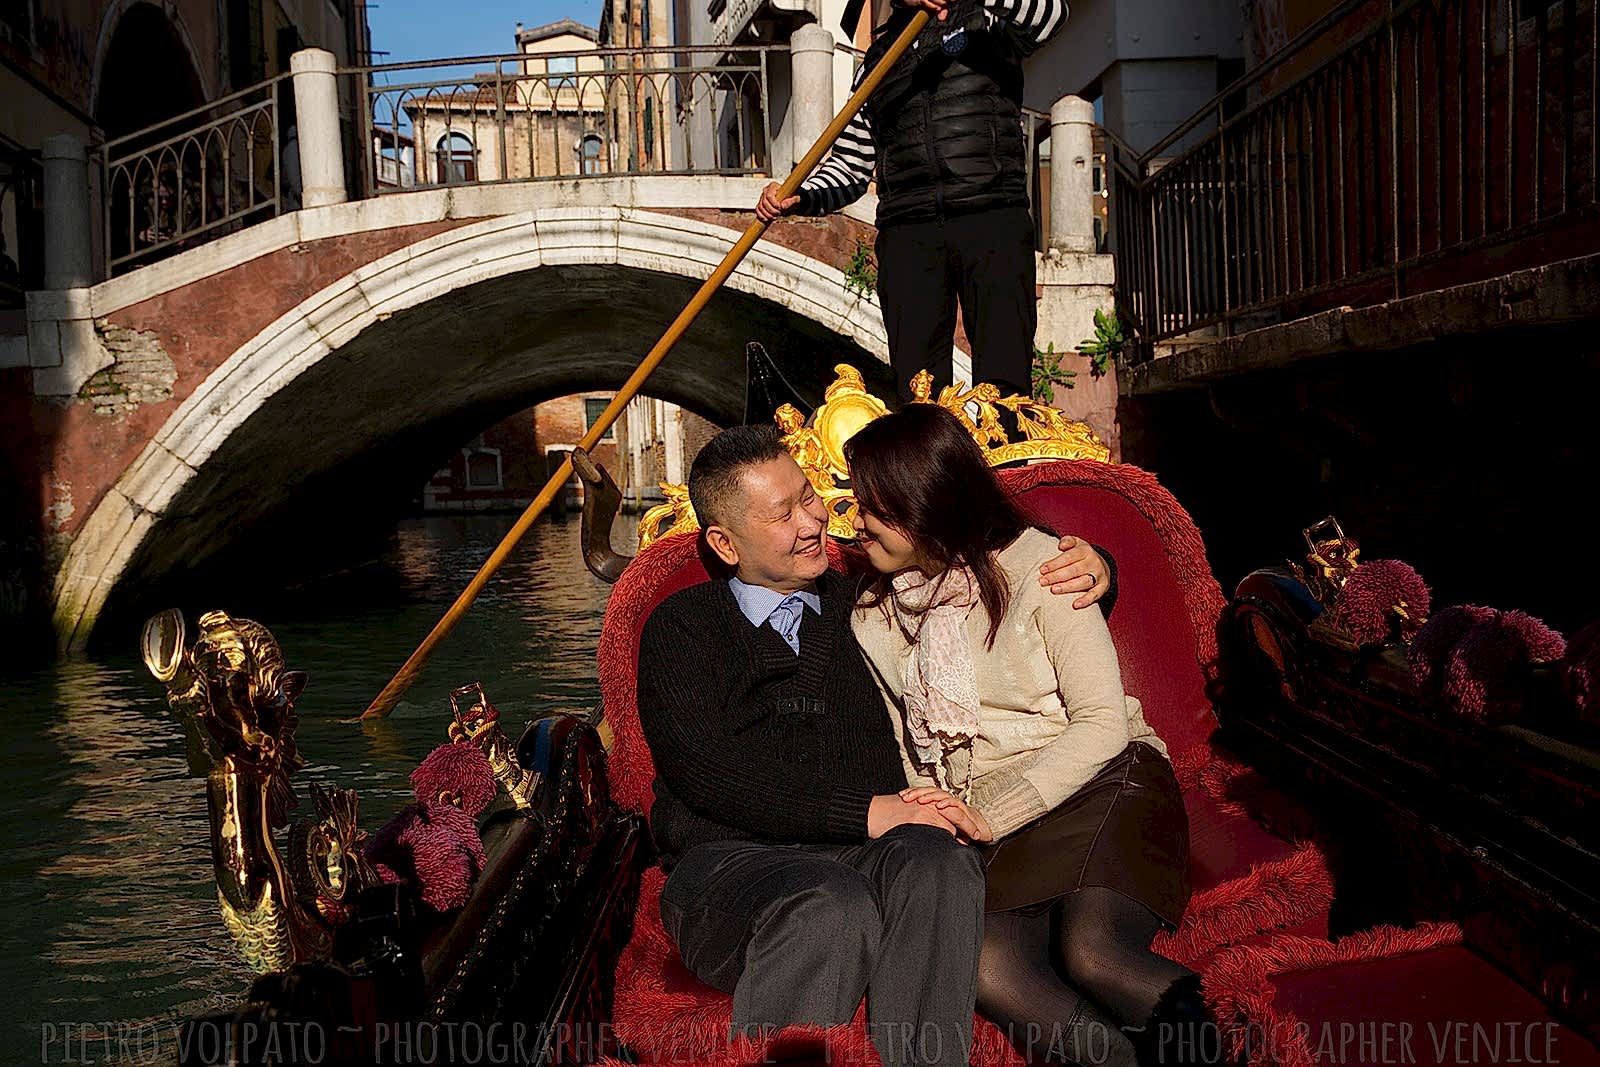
(963, 816)
(886, 812)
(1079, 569)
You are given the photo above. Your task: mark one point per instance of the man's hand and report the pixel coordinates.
(939, 9)
(888, 811)
(968, 820)
(1079, 569)
(769, 208)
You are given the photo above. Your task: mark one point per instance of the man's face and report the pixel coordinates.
(774, 536)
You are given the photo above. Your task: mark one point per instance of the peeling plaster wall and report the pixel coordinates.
(93, 439)
(142, 373)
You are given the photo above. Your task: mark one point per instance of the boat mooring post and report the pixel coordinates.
(386, 700)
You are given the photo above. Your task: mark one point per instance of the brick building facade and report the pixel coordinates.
(503, 468)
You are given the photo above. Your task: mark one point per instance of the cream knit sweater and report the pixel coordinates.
(1052, 713)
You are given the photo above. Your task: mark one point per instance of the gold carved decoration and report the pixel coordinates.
(674, 515)
(847, 406)
(1331, 558)
(478, 721)
(236, 702)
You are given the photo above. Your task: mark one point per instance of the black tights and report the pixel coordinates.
(1095, 940)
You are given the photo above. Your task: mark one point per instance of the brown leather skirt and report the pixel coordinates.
(1126, 829)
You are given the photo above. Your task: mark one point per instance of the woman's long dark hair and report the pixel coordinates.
(919, 470)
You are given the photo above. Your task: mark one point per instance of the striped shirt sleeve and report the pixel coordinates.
(1035, 21)
(843, 176)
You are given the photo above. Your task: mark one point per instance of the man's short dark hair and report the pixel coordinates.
(714, 476)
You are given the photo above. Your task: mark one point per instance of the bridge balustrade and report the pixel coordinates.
(678, 111)
(683, 110)
(192, 177)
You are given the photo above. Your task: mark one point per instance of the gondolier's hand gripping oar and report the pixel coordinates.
(386, 700)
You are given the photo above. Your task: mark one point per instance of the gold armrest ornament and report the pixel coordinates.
(478, 721)
(847, 406)
(1331, 558)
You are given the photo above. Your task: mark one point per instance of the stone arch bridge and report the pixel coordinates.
(192, 399)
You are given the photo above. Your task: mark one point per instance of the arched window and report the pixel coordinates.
(458, 159)
(644, 23)
(589, 153)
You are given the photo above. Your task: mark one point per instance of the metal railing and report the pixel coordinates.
(1392, 148)
(680, 110)
(193, 177)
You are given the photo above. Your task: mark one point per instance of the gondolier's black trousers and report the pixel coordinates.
(799, 933)
(984, 260)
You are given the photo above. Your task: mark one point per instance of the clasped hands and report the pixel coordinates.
(927, 805)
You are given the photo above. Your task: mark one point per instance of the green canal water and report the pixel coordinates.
(111, 928)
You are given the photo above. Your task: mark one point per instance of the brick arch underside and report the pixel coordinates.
(380, 373)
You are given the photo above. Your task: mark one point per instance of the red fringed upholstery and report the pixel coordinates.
(1168, 602)
(671, 564)
(1239, 985)
(1247, 881)
(1272, 895)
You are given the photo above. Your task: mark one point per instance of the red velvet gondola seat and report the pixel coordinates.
(1260, 908)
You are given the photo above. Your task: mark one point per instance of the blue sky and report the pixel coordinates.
(433, 29)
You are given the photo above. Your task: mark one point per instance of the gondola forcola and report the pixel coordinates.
(386, 700)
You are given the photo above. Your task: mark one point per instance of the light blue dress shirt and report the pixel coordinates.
(758, 603)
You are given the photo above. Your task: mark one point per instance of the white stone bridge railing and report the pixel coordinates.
(287, 143)
(323, 135)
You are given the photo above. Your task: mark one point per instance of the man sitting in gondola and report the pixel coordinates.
(799, 881)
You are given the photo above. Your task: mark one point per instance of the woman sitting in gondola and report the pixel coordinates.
(1013, 710)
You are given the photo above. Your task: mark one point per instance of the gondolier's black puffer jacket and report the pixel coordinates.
(948, 127)
(752, 742)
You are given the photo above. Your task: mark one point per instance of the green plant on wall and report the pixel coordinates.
(1106, 344)
(861, 276)
(1047, 373)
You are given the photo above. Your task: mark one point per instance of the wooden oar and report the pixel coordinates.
(386, 700)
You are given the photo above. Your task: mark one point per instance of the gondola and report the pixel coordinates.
(1384, 872)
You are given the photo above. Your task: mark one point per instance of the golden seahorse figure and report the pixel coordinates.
(236, 700)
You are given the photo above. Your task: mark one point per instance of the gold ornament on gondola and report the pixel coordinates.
(847, 406)
(477, 721)
(1331, 558)
(236, 702)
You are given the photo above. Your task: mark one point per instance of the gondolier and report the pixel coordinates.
(944, 133)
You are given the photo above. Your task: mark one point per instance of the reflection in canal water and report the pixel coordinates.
(107, 893)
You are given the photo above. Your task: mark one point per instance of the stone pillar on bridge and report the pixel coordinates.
(811, 92)
(68, 246)
(63, 347)
(1072, 175)
(1075, 281)
(316, 106)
